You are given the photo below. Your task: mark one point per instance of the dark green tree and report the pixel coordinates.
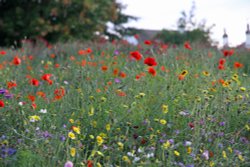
(57, 19)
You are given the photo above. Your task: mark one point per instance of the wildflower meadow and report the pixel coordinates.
(114, 104)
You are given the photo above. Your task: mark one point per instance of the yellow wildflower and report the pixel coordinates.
(206, 73)
(34, 118)
(142, 94)
(163, 121)
(176, 153)
(166, 145)
(243, 89)
(71, 121)
(241, 157)
(164, 108)
(184, 73)
(92, 111)
(71, 135)
(99, 140)
(224, 154)
(121, 145)
(108, 127)
(211, 164)
(126, 159)
(230, 149)
(76, 129)
(247, 127)
(72, 152)
(189, 150)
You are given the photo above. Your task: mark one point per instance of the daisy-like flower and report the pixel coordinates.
(44, 111)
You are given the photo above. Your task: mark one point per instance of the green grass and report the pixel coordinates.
(121, 119)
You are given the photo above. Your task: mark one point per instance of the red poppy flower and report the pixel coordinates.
(59, 93)
(115, 72)
(1, 104)
(187, 45)
(152, 71)
(2, 52)
(57, 65)
(221, 67)
(81, 52)
(46, 77)
(34, 82)
(228, 52)
(33, 105)
(41, 94)
(90, 163)
(16, 61)
(150, 61)
(104, 68)
(238, 65)
(123, 74)
(222, 61)
(136, 55)
(11, 84)
(147, 42)
(32, 98)
(89, 50)
(137, 77)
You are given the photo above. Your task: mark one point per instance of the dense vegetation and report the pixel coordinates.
(119, 105)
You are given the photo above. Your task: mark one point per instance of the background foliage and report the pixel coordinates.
(58, 19)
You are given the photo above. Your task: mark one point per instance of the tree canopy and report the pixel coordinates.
(58, 19)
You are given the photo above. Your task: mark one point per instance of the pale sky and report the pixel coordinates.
(233, 15)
